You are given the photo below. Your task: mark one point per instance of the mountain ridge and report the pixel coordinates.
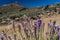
(17, 8)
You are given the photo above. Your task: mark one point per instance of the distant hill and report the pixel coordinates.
(11, 7)
(17, 9)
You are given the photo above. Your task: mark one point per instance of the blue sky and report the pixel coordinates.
(30, 3)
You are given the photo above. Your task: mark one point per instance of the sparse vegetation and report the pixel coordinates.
(28, 23)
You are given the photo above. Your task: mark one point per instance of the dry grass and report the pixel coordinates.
(9, 30)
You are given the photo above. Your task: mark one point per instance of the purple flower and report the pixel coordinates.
(26, 29)
(47, 32)
(35, 27)
(59, 34)
(24, 24)
(50, 25)
(54, 22)
(28, 19)
(9, 37)
(35, 24)
(39, 21)
(19, 27)
(59, 26)
(4, 33)
(56, 27)
(1, 37)
(53, 31)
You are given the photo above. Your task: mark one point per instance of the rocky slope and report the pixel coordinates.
(15, 7)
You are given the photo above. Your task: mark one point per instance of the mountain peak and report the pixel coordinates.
(10, 7)
(13, 4)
